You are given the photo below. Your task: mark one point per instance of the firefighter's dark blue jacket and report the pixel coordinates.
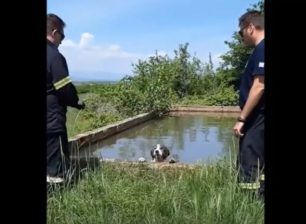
(60, 90)
(254, 66)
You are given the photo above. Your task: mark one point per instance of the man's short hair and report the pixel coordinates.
(254, 17)
(54, 22)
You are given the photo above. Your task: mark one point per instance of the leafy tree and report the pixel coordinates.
(150, 88)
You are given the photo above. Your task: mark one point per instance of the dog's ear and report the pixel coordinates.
(152, 151)
(166, 151)
(164, 148)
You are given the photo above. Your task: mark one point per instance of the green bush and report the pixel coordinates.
(99, 111)
(223, 97)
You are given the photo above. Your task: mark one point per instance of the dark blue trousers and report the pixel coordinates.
(58, 160)
(251, 161)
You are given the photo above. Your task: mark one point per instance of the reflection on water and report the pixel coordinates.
(191, 137)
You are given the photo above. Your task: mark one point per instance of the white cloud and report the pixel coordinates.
(114, 47)
(68, 43)
(86, 38)
(88, 57)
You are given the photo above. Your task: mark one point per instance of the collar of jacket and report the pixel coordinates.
(51, 44)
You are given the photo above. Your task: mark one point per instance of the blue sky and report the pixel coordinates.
(105, 37)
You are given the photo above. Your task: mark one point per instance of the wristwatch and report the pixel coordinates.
(240, 119)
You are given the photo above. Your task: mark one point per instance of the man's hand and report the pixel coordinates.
(237, 129)
(81, 105)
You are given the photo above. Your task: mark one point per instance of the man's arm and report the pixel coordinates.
(65, 90)
(256, 92)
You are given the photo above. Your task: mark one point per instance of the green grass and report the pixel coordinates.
(74, 123)
(116, 193)
(99, 112)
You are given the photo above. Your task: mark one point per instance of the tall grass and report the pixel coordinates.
(116, 193)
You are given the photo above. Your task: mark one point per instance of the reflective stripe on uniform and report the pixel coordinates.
(250, 186)
(62, 82)
(262, 177)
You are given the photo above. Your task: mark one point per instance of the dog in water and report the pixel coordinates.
(159, 153)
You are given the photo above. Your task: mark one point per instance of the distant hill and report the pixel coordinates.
(95, 77)
(93, 82)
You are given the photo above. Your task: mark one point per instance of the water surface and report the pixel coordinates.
(191, 138)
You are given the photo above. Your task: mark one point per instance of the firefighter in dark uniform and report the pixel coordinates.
(60, 94)
(250, 124)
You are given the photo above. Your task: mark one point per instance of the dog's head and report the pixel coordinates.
(159, 153)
